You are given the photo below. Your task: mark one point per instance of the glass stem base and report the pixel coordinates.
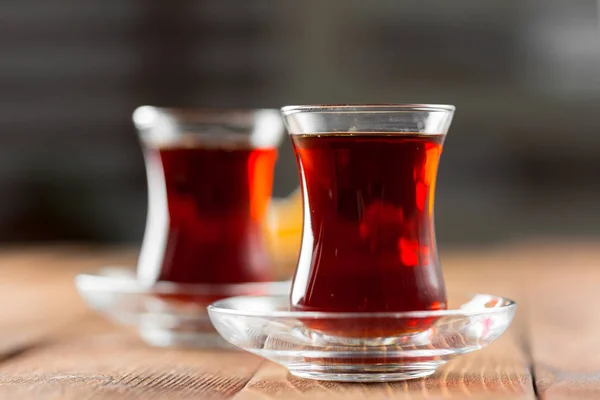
(409, 339)
(359, 374)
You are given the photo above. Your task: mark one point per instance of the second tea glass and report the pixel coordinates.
(210, 175)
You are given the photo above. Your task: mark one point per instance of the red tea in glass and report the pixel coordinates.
(369, 241)
(210, 182)
(215, 218)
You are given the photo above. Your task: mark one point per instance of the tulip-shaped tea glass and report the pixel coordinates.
(368, 301)
(368, 177)
(210, 176)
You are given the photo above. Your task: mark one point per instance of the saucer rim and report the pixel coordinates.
(218, 308)
(97, 281)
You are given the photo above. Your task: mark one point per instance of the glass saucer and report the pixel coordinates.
(360, 347)
(165, 314)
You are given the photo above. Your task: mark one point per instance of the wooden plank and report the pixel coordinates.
(54, 347)
(564, 322)
(36, 285)
(94, 359)
(556, 285)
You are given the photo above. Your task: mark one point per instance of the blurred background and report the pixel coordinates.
(522, 158)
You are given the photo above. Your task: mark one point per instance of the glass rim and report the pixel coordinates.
(193, 109)
(194, 112)
(221, 308)
(217, 127)
(367, 108)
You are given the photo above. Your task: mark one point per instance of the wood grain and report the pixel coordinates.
(51, 346)
(96, 360)
(564, 320)
(54, 347)
(36, 287)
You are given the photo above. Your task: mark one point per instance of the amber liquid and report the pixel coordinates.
(368, 243)
(216, 200)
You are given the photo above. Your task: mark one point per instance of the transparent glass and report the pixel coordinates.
(210, 175)
(115, 293)
(368, 175)
(266, 326)
(368, 301)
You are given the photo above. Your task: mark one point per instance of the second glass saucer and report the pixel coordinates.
(165, 314)
(361, 347)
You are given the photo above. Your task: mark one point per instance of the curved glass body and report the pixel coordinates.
(210, 176)
(368, 177)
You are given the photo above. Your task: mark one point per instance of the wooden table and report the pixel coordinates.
(52, 347)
